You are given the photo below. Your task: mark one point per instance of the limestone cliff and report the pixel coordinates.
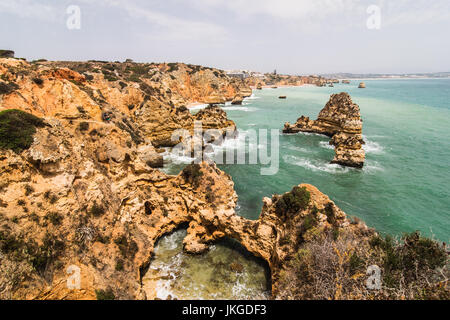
(79, 190)
(340, 119)
(150, 96)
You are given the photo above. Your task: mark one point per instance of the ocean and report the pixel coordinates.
(404, 185)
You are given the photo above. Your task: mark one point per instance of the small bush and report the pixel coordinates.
(105, 294)
(97, 210)
(29, 190)
(293, 202)
(172, 67)
(7, 88)
(55, 218)
(119, 265)
(139, 69)
(128, 249)
(38, 81)
(83, 126)
(192, 174)
(17, 129)
(44, 255)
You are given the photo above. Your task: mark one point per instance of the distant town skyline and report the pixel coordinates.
(291, 36)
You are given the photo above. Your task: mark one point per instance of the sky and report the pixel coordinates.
(291, 36)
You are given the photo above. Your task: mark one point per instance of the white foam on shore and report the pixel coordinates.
(297, 148)
(240, 108)
(318, 165)
(174, 158)
(373, 147)
(252, 97)
(198, 107)
(326, 145)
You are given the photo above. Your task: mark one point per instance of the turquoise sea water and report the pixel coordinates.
(405, 183)
(403, 187)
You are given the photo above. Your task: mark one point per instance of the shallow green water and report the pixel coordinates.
(226, 271)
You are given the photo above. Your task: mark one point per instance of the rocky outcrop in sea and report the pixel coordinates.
(340, 119)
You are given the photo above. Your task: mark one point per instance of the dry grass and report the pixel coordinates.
(330, 268)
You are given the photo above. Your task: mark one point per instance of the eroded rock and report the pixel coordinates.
(340, 119)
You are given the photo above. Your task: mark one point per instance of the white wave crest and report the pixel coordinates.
(315, 165)
(373, 147)
(240, 108)
(326, 145)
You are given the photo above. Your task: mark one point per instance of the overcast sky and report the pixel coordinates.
(292, 36)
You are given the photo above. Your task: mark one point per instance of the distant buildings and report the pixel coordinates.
(241, 74)
(244, 74)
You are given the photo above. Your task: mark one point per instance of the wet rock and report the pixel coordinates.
(150, 156)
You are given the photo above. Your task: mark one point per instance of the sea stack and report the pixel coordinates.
(362, 85)
(340, 120)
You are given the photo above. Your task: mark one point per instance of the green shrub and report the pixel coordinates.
(127, 248)
(105, 294)
(119, 265)
(28, 190)
(44, 255)
(55, 218)
(38, 81)
(10, 244)
(192, 174)
(17, 129)
(355, 263)
(50, 197)
(134, 78)
(97, 210)
(7, 88)
(294, 201)
(172, 67)
(84, 126)
(139, 69)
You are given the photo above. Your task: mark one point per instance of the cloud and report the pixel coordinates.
(167, 26)
(415, 12)
(332, 12)
(31, 9)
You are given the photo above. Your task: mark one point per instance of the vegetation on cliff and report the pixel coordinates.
(337, 265)
(17, 129)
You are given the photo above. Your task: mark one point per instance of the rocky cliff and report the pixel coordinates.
(77, 152)
(79, 194)
(340, 119)
(151, 97)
